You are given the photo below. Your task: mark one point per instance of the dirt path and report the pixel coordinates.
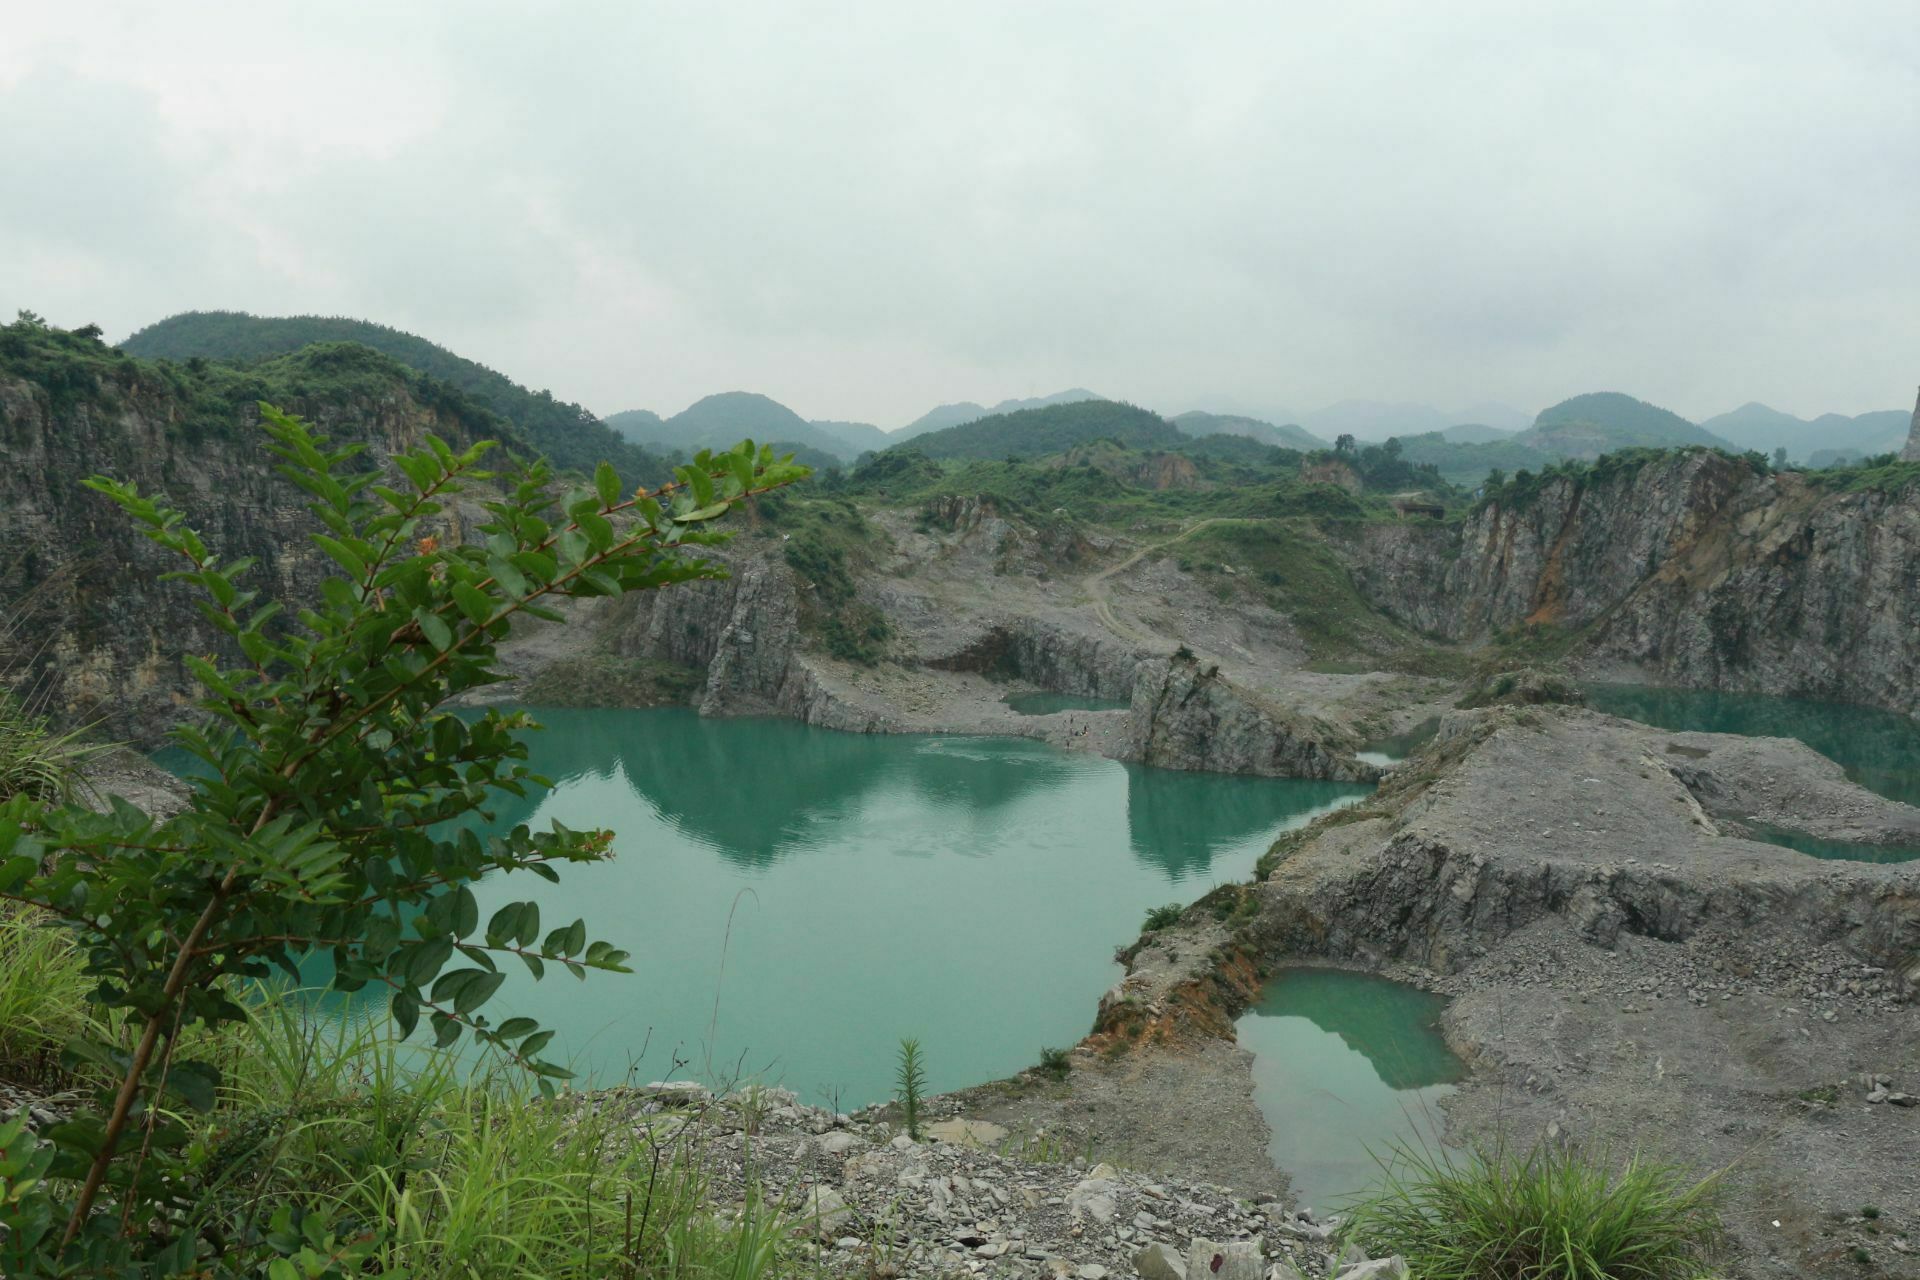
(1096, 584)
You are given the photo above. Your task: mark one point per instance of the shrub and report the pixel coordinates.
(1056, 1062)
(326, 819)
(1548, 1215)
(1161, 917)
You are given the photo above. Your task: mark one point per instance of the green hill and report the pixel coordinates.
(722, 420)
(1757, 426)
(567, 434)
(1034, 433)
(1468, 462)
(1603, 421)
(861, 437)
(1197, 423)
(962, 412)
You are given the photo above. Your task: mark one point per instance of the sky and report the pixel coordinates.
(866, 209)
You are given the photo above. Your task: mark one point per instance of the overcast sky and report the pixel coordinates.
(862, 210)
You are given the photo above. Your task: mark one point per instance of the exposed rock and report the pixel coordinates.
(1187, 716)
(1693, 566)
(1160, 1261)
(1232, 1260)
(967, 1133)
(1912, 452)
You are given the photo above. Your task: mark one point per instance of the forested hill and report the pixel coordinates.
(567, 434)
(1053, 429)
(1587, 426)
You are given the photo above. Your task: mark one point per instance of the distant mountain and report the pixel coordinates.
(861, 437)
(722, 420)
(1055, 428)
(1757, 426)
(1198, 423)
(965, 411)
(1491, 413)
(566, 433)
(1602, 421)
(638, 425)
(1477, 433)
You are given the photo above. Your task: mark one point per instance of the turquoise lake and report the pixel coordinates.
(1346, 1066)
(797, 900)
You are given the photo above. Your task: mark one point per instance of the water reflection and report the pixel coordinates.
(1345, 1065)
(1178, 821)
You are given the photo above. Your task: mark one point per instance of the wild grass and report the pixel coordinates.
(43, 987)
(460, 1171)
(35, 759)
(1546, 1215)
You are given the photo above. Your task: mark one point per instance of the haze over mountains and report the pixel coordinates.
(1465, 444)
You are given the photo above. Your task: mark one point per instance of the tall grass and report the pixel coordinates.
(461, 1171)
(465, 1172)
(43, 987)
(1547, 1215)
(35, 759)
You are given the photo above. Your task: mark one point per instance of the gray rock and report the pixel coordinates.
(823, 1211)
(1160, 1261)
(1394, 1268)
(1093, 1198)
(835, 1144)
(1233, 1260)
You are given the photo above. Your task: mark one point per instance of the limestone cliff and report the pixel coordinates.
(1912, 452)
(1695, 567)
(1186, 716)
(92, 627)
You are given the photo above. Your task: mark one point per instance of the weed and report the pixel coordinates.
(1547, 1215)
(910, 1078)
(1056, 1062)
(1162, 917)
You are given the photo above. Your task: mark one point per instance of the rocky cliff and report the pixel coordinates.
(1188, 716)
(1695, 567)
(89, 624)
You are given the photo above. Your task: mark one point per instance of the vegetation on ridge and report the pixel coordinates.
(570, 437)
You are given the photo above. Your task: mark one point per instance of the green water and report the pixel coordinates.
(1880, 750)
(1045, 704)
(1395, 747)
(1343, 1064)
(796, 900)
(1837, 850)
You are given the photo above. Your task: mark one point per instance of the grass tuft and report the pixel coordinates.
(1547, 1215)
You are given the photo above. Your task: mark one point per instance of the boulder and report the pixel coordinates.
(1234, 1260)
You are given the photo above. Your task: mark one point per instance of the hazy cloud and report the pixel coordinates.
(863, 209)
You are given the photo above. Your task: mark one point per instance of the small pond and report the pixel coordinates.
(1880, 750)
(1046, 704)
(796, 900)
(1391, 749)
(1346, 1066)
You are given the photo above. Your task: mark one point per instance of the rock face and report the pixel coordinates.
(1912, 452)
(99, 631)
(1186, 716)
(745, 631)
(1050, 656)
(1693, 567)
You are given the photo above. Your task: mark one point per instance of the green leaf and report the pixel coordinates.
(704, 513)
(437, 632)
(473, 602)
(607, 483)
(477, 992)
(406, 1012)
